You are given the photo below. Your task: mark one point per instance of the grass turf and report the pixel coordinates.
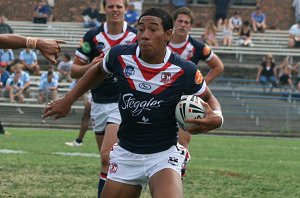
(221, 166)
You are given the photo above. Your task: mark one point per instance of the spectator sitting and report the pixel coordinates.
(294, 35)
(267, 72)
(236, 21)
(29, 59)
(64, 68)
(296, 69)
(41, 13)
(131, 16)
(285, 73)
(227, 32)
(245, 35)
(4, 27)
(14, 89)
(44, 75)
(4, 75)
(48, 89)
(90, 15)
(258, 19)
(7, 56)
(25, 78)
(210, 32)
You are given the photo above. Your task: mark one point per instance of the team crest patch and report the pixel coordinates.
(206, 50)
(128, 42)
(86, 47)
(129, 70)
(198, 77)
(100, 46)
(113, 167)
(166, 78)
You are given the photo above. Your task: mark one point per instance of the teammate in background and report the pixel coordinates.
(151, 81)
(50, 49)
(191, 49)
(104, 111)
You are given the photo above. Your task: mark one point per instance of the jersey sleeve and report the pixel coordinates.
(203, 51)
(111, 58)
(84, 51)
(195, 83)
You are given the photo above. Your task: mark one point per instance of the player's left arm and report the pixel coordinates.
(217, 67)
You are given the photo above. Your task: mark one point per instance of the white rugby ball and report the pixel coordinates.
(189, 106)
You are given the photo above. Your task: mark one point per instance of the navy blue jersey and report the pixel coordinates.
(192, 50)
(96, 42)
(149, 94)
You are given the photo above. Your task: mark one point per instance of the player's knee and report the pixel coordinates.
(104, 158)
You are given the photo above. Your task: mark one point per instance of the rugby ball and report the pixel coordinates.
(189, 106)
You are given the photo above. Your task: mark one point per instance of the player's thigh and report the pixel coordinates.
(110, 137)
(184, 138)
(114, 189)
(166, 183)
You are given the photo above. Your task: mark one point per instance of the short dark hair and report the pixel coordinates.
(167, 21)
(68, 57)
(50, 73)
(125, 3)
(185, 11)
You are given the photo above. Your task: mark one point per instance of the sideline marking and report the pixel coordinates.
(11, 151)
(77, 154)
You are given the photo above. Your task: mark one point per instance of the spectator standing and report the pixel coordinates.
(64, 68)
(91, 15)
(267, 71)
(131, 16)
(236, 21)
(28, 58)
(48, 89)
(41, 12)
(296, 5)
(285, 73)
(221, 10)
(226, 29)
(294, 35)
(258, 19)
(4, 27)
(210, 32)
(245, 35)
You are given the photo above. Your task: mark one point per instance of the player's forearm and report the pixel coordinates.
(90, 79)
(77, 71)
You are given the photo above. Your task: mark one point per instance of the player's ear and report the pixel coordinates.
(168, 34)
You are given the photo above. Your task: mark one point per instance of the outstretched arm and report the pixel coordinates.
(61, 107)
(49, 48)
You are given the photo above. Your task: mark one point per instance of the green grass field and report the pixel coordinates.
(221, 166)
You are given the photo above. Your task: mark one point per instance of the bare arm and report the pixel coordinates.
(50, 49)
(61, 107)
(79, 68)
(217, 67)
(213, 115)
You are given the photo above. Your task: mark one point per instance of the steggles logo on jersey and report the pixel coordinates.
(166, 78)
(139, 106)
(129, 70)
(144, 86)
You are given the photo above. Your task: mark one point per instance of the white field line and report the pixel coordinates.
(9, 151)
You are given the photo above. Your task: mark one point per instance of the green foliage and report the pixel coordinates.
(221, 166)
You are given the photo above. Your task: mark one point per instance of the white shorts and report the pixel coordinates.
(102, 114)
(136, 169)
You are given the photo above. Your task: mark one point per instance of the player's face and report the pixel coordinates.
(151, 37)
(182, 25)
(115, 10)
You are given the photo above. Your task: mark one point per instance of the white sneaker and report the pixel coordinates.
(19, 110)
(74, 143)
